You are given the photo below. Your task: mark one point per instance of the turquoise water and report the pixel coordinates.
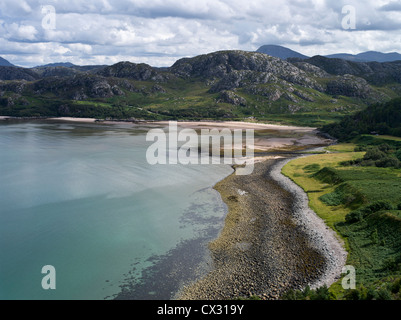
(82, 198)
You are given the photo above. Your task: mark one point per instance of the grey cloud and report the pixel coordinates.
(391, 6)
(164, 30)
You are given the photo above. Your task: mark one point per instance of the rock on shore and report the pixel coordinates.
(265, 247)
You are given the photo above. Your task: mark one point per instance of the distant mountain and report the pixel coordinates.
(345, 56)
(5, 63)
(280, 52)
(368, 56)
(68, 65)
(58, 64)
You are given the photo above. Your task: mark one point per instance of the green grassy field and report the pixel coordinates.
(335, 192)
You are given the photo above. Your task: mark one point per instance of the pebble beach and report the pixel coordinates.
(271, 241)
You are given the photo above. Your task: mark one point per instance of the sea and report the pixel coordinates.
(84, 216)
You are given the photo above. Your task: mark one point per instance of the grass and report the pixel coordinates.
(299, 170)
(383, 137)
(343, 147)
(334, 191)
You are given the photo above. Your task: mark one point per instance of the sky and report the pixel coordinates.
(159, 32)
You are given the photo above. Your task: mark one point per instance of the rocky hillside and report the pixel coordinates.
(225, 84)
(375, 73)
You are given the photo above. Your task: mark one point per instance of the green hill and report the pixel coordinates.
(234, 85)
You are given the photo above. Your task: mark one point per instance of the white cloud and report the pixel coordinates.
(159, 32)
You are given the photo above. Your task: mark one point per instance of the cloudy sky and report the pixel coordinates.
(159, 32)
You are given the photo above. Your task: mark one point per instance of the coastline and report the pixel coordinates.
(273, 136)
(271, 240)
(323, 238)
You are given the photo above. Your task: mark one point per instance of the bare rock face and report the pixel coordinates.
(232, 98)
(230, 70)
(78, 87)
(221, 63)
(16, 73)
(129, 70)
(350, 86)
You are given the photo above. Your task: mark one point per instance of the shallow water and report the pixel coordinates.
(82, 198)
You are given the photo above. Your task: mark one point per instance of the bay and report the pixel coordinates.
(82, 198)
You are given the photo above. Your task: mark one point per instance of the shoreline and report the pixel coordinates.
(271, 240)
(332, 246)
(183, 123)
(268, 136)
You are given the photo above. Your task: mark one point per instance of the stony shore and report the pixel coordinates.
(271, 241)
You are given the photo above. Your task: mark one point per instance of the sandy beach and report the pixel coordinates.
(236, 125)
(268, 136)
(89, 120)
(72, 119)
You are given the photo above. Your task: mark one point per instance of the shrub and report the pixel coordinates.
(360, 148)
(312, 167)
(374, 154)
(361, 293)
(396, 286)
(360, 213)
(321, 293)
(398, 154)
(388, 162)
(383, 294)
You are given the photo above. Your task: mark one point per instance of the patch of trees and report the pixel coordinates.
(382, 156)
(381, 118)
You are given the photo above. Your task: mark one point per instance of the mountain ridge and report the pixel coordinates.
(367, 56)
(280, 52)
(5, 63)
(230, 84)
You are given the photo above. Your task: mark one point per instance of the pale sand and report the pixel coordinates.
(236, 125)
(90, 120)
(303, 136)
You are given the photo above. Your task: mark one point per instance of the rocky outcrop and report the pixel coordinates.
(129, 70)
(16, 73)
(13, 86)
(312, 69)
(272, 93)
(78, 87)
(375, 73)
(232, 98)
(350, 86)
(222, 63)
(242, 78)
